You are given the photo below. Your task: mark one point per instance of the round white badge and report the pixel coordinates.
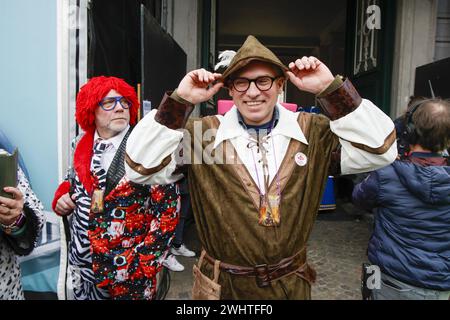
(300, 159)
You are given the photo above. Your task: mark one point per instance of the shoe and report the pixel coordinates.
(182, 251)
(172, 263)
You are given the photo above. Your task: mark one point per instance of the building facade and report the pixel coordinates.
(51, 48)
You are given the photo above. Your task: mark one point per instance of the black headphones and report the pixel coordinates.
(410, 127)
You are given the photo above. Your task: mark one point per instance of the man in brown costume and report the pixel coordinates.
(259, 237)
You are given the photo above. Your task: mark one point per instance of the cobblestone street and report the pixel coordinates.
(337, 248)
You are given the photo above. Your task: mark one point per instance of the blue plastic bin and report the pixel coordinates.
(328, 198)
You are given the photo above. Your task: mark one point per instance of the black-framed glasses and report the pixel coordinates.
(263, 83)
(110, 103)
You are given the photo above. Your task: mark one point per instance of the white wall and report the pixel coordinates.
(182, 22)
(71, 49)
(186, 30)
(443, 31)
(415, 45)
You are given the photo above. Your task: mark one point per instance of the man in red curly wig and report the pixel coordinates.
(117, 232)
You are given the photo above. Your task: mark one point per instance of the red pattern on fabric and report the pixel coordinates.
(119, 290)
(98, 245)
(168, 224)
(157, 195)
(127, 263)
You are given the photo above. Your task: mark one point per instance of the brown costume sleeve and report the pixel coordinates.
(339, 99)
(380, 150)
(173, 111)
(147, 171)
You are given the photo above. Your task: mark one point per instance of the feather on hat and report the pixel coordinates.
(225, 58)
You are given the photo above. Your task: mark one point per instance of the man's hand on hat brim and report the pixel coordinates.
(199, 86)
(310, 74)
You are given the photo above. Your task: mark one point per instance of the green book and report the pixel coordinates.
(8, 171)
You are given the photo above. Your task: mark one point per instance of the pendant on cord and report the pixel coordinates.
(269, 210)
(97, 201)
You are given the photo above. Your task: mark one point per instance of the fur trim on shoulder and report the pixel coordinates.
(63, 188)
(82, 160)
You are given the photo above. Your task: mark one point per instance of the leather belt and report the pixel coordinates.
(264, 274)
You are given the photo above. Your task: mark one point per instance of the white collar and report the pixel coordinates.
(229, 127)
(116, 140)
(288, 126)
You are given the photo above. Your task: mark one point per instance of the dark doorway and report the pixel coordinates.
(163, 61)
(291, 29)
(114, 37)
(126, 40)
(334, 31)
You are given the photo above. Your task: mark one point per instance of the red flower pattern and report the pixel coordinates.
(127, 264)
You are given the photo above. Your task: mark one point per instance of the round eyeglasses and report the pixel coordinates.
(110, 103)
(262, 83)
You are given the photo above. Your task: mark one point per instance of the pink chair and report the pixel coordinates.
(223, 106)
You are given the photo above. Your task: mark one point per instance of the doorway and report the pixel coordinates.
(291, 29)
(343, 34)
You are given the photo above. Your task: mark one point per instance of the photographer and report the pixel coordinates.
(411, 203)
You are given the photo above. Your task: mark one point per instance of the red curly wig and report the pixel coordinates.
(94, 91)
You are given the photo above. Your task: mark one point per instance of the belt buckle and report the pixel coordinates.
(262, 275)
